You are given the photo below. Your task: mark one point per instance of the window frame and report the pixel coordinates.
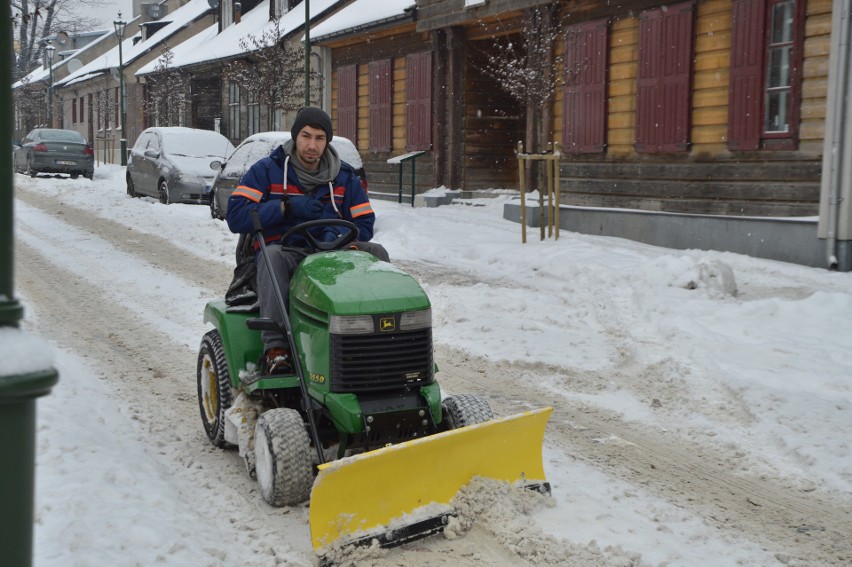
(748, 90)
(252, 113)
(234, 126)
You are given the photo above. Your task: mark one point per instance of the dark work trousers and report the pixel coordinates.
(284, 263)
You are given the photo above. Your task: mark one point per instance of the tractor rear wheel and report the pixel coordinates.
(214, 387)
(282, 451)
(464, 410)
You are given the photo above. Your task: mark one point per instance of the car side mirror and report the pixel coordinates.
(216, 164)
(151, 153)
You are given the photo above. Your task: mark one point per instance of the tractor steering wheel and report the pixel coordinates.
(314, 245)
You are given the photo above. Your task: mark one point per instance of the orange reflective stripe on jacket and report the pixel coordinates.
(361, 210)
(249, 193)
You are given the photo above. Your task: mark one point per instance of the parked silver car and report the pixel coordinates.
(51, 150)
(257, 147)
(176, 164)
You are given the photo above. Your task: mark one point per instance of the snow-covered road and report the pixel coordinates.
(661, 450)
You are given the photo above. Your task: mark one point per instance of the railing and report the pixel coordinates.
(401, 159)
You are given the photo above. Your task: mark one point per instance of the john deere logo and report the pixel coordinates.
(387, 324)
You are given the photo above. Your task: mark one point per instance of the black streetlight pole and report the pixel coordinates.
(307, 53)
(119, 33)
(49, 52)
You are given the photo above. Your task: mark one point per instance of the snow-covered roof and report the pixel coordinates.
(43, 73)
(209, 45)
(360, 14)
(178, 20)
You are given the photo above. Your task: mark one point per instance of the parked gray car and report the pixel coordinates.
(257, 147)
(51, 150)
(175, 164)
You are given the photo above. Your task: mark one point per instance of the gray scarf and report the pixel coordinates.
(329, 167)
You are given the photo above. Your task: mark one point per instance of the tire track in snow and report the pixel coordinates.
(154, 378)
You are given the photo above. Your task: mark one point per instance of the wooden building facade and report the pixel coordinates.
(700, 106)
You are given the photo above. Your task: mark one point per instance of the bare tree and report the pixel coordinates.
(524, 64)
(29, 101)
(167, 91)
(106, 106)
(34, 20)
(272, 70)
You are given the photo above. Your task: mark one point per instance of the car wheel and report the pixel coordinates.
(30, 171)
(163, 191)
(89, 175)
(75, 175)
(214, 206)
(131, 189)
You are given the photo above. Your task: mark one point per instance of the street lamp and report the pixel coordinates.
(119, 33)
(49, 52)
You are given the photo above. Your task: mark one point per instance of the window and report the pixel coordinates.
(779, 66)
(253, 118)
(585, 95)
(103, 102)
(419, 105)
(234, 110)
(347, 102)
(664, 82)
(380, 105)
(284, 6)
(117, 107)
(766, 69)
(74, 111)
(82, 109)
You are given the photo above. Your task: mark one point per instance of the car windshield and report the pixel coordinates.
(347, 152)
(196, 144)
(61, 136)
(248, 153)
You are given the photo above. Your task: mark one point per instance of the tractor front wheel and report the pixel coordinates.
(282, 451)
(464, 410)
(214, 387)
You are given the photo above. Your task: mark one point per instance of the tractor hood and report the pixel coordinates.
(350, 282)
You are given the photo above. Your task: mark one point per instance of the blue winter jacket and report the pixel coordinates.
(262, 187)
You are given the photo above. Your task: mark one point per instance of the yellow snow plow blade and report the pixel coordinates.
(402, 492)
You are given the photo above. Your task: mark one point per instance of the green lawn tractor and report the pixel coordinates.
(360, 428)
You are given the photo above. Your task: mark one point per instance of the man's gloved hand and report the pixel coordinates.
(329, 235)
(304, 208)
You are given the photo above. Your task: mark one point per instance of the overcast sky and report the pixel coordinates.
(108, 11)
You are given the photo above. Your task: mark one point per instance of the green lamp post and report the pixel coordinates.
(120, 25)
(21, 381)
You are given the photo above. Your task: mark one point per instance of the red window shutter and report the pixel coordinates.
(419, 103)
(585, 96)
(665, 79)
(347, 102)
(745, 92)
(380, 105)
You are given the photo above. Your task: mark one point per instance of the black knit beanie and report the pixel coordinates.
(311, 116)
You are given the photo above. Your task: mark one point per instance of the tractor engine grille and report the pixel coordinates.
(374, 362)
